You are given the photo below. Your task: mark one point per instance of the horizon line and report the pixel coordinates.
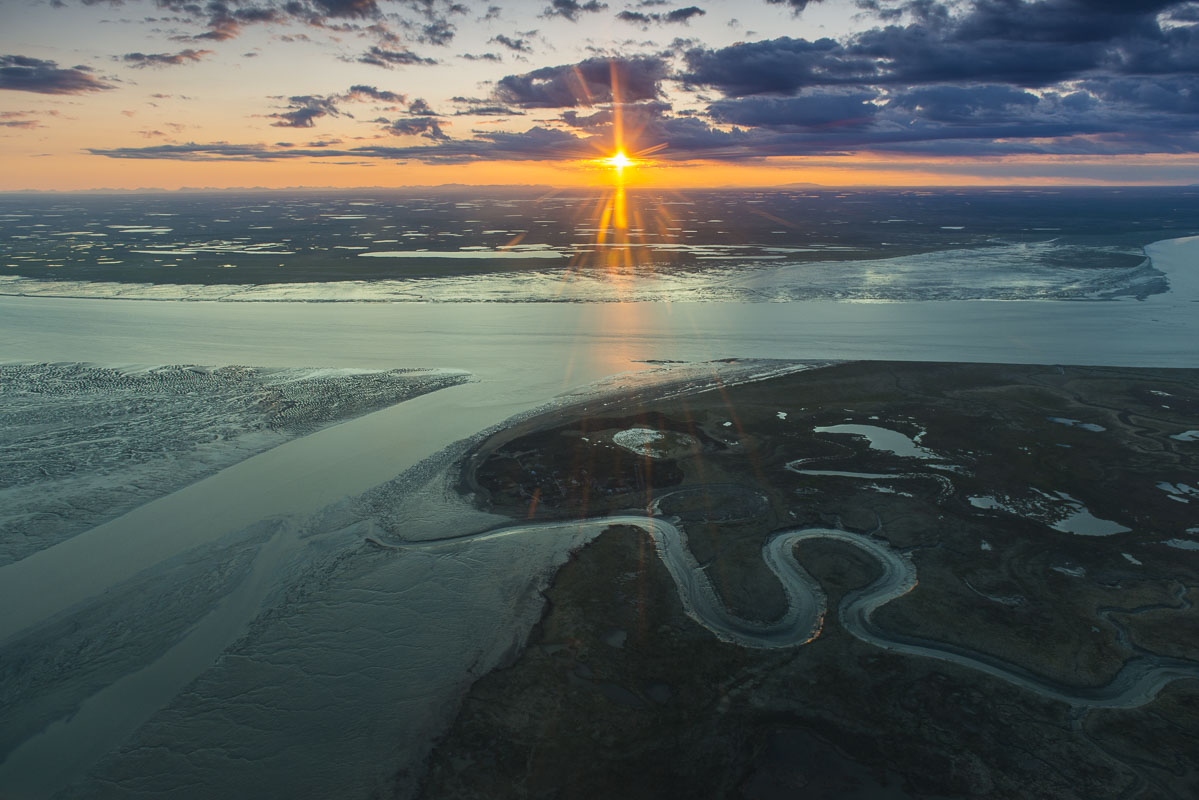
(597, 187)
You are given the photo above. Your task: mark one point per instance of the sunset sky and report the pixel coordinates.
(275, 93)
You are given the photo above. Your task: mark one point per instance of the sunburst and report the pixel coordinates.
(618, 160)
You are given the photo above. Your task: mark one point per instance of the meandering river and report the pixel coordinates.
(1137, 682)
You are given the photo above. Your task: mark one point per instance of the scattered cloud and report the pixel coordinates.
(439, 32)
(419, 106)
(679, 15)
(18, 119)
(24, 74)
(348, 8)
(585, 83)
(384, 57)
(188, 56)
(516, 44)
(483, 107)
(304, 110)
(417, 126)
(796, 5)
(572, 9)
(488, 111)
(362, 92)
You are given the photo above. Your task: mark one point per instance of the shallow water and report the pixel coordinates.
(884, 439)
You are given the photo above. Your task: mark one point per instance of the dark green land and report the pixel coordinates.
(619, 694)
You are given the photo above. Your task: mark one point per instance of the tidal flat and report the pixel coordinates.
(622, 691)
(81, 444)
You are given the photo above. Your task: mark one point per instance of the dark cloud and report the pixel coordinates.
(24, 74)
(517, 44)
(683, 14)
(428, 127)
(679, 15)
(440, 33)
(488, 111)
(361, 92)
(572, 9)
(481, 56)
(916, 54)
(384, 57)
(304, 110)
(586, 83)
(483, 107)
(347, 8)
(1059, 21)
(1112, 118)
(810, 110)
(780, 66)
(1027, 44)
(1173, 51)
(419, 106)
(167, 59)
(1173, 95)
(796, 5)
(535, 144)
(964, 103)
(225, 21)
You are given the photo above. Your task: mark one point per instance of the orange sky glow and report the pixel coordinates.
(84, 172)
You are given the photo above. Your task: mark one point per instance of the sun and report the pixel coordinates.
(619, 160)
